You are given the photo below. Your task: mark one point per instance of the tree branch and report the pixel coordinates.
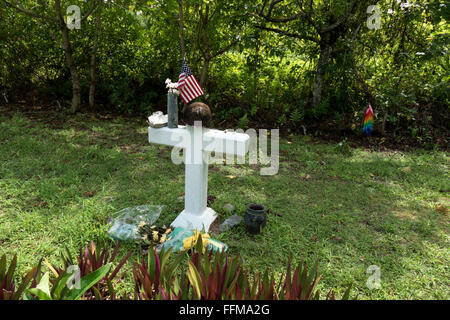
(223, 50)
(289, 34)
(181, 26)
(89, 12)
(210, 17)
(268, 16)
(58, 10)
(341, 20)
(38, 18)
(19, 7)
(306, 15)
(272, 5)
(261, 12)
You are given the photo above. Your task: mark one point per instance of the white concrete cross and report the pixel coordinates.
(197, 143)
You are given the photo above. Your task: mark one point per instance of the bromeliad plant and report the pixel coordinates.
(214, 276)
(156, 278)
(67, 286)
(207, 276)
(8, 289)
(92, 259)
(218, 276)
(302, 285)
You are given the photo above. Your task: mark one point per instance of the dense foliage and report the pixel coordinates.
(209, 276)
(275, 63)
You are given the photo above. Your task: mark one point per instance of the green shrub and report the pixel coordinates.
(8, 290)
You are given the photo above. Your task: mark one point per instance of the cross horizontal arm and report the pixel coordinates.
(212, 140)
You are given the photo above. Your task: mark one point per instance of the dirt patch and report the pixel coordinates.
(404, 214)
(214, 227)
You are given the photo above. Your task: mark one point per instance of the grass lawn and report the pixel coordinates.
(62, 176)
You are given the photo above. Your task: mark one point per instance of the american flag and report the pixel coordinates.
(189, 87)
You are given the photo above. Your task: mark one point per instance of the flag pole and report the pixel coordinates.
(184, 103)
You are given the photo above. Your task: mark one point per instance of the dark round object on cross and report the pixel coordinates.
(197, 111)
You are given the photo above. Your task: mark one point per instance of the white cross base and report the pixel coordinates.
(197, 142)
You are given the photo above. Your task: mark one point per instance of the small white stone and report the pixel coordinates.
(229, 207)
(158, 119)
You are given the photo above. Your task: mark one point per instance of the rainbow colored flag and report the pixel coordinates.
(368, 121)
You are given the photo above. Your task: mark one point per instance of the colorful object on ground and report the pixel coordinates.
(187, 84)
(208, 243)
(153, 235)
(191, 241)
(368, 121)
(181, 239)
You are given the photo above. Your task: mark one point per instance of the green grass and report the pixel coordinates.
(60, 181)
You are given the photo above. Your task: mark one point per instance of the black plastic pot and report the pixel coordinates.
(255, 218)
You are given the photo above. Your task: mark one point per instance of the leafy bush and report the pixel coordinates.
(218, 276)
(207, 276)
(61, 290)
(89, 260)
(8, 290)
(155, 277)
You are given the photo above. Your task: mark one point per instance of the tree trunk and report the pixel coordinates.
(204, 72)
(324, 58)
(93, 76)
(93, 64)
(65, 43)
(181, 28)
(255, 70)
(205, 43)
(383, 123)
(76, 88)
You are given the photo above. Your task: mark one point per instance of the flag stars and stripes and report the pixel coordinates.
(187, 84)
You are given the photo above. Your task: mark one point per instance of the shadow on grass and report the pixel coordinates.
(350, 213)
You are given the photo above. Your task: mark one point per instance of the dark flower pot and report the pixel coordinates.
(255, 218)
